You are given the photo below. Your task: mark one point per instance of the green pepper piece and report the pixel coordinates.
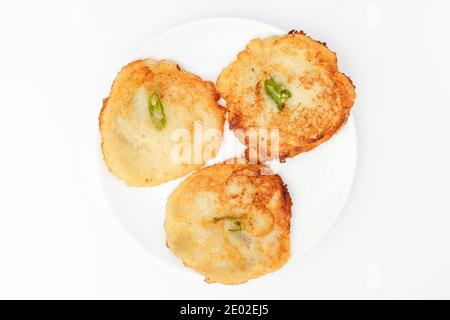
(237, 224)
(276, 91)
(156, 110)
(237, 227)
(217, 219)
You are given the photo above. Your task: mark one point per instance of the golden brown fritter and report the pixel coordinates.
(320, 101)
(230, 222)
(134, 148)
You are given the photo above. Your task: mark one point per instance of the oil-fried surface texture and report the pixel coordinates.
(133, 148)
(230, 222)
(321, 95)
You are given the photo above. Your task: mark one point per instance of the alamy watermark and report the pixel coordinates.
(199, 144)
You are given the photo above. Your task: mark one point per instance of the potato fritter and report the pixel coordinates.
(149, 119)
(230, 222)
(290, 83)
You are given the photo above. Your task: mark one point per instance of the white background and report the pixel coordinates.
(58, 237)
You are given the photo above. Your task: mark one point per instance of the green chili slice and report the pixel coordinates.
(217, 219)
(156, 110)
(276, 92)
(237, 225)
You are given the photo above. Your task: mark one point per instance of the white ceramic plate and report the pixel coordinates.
(319, 181)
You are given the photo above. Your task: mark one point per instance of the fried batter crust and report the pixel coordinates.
(230, 222)
(133, 149)
(321, 95)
